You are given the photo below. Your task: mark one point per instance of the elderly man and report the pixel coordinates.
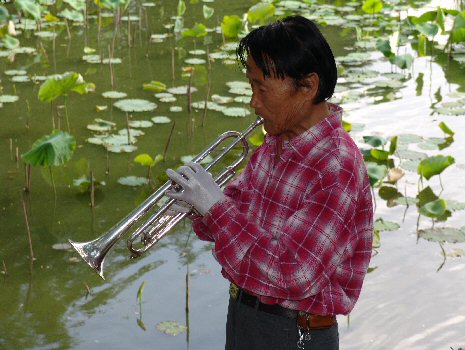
(293, 232)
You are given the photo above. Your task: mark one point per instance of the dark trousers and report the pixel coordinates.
(251, 329)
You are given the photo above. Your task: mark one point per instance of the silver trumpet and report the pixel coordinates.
(159, 223)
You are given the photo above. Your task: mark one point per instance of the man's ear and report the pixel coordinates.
(311, 86)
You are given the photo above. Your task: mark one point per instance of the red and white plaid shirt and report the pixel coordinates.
(298, 231)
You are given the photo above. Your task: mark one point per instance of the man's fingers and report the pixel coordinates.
(179, 208)
(176, 177)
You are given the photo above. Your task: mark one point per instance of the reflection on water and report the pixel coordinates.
(412, 299)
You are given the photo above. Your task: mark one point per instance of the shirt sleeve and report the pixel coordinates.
(299, 262)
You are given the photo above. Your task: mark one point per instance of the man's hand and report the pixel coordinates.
(199, 189)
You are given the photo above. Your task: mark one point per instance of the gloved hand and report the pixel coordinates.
(198, 187)
(178, 207)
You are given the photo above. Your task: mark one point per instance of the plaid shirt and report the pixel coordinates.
(297, 231)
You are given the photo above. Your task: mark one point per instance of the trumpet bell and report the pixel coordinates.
(90, 253)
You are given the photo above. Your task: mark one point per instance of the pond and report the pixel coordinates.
(404, 103)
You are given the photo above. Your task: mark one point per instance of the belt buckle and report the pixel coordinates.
(234, 291)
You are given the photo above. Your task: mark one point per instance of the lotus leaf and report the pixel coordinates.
(114, 94)
(376, 172)
(197, 31)
(434, 209)
(144, 159)
(443, 234)
(236, 112)
(54, 149)
(135, 105)
(261, 12)
(8, 98)
(434, 165)
(176, 109)
(133, 181)
(15, 72)
(60, 85)
(72, 15)
(161, 120)
(181, 90)
(154, 85)
(140, 124)
(231, 26)
(171, 327)
(10, 42)
(29, 7)
(384, 225)
(207, 11)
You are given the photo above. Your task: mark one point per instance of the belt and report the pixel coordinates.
(305, 320)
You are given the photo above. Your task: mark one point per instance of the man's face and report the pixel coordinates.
(277, 101)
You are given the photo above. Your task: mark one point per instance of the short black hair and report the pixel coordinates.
(292, 47)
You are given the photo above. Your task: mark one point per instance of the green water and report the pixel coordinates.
(57, 302)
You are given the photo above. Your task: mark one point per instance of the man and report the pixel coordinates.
(293, 232)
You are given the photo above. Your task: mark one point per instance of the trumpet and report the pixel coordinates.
(159, 222)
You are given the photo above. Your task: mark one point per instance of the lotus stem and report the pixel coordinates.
(127, 127)
(168, 141)
(107, 167)
(31, 252)
(172, 64)
(189, 92)
(187, 303)
(27, 172)
(17, 157)
(92, 190)
(53, 181)
(111, 67)
(11, 148)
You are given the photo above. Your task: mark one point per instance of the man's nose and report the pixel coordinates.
(254, 101)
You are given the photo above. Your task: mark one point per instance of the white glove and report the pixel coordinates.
(178, 207)
(199, 189)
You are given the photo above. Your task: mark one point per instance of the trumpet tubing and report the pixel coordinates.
(158, 223)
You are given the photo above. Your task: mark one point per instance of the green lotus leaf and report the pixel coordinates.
(434, 165)
(428, 29)
(383, 225)
(61, 85)
(207, 11)
(72, 15)
(111, 4)
(402, 61)
(144, 159)
(154, 85)
(376, 172)
(78, 5)
(29, 7)
(261, 12)
(181, 8)
(10, 42)
(83, 184)
(4, 14)
(443, 126)
(372, 6)
(375, 141)
(379, 154)
(54, 149)
(197, 31)
(443, 234)
(434, 209)
(232, 26)
(458, 30)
